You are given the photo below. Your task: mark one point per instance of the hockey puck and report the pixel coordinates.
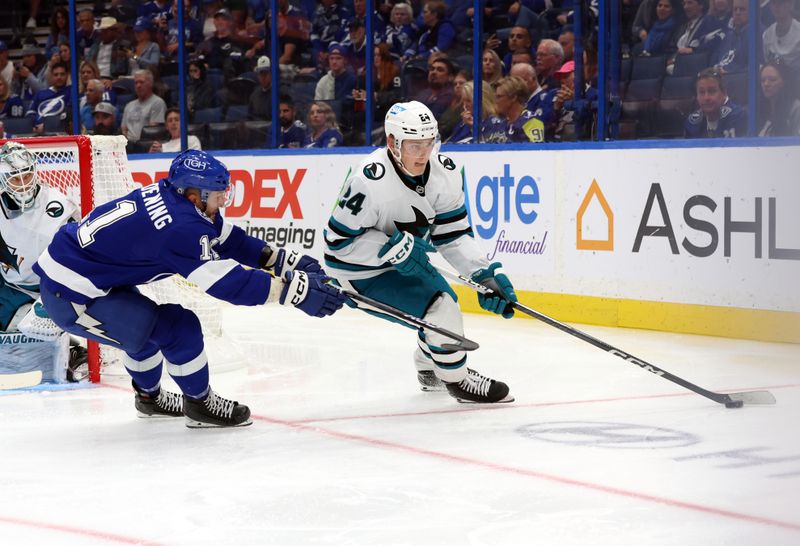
(734, 404)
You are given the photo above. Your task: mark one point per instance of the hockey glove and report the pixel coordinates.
(409, 255)
(310, 293)
(289, 260)
(502, 292)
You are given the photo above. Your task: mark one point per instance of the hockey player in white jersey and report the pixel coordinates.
(401, 199)
(30, 214)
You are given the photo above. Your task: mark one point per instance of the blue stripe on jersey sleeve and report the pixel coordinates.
(451, 216)
(445, 238)
(342, 230)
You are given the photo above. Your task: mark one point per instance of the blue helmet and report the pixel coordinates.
(197, 169)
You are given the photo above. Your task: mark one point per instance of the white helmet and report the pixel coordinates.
(409, 120)
(16, 161)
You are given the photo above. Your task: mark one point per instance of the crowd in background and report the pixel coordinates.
(682, 70)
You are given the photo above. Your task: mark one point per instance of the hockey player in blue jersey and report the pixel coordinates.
(402, 198)
(90, 271)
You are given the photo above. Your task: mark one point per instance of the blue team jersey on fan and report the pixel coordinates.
(329, 138)
(147, 235)
(13, 108)
(50, 102)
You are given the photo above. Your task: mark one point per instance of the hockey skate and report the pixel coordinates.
(78, 368)
(165, 404)
(477, 389)
(428, 382)
(215, 411)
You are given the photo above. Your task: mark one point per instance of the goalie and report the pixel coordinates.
(30, 214)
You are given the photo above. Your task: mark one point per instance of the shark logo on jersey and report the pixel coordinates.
(8, 258)
(374, 171)
(419, 227)
(447, 163)
(54, 209)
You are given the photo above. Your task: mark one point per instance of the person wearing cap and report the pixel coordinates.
(563, 100)
(224, 50)
(338, 83)
(781, 40)
(355, 45)
(6, 68)
(259, 105)
(105, 119)
(110, 53)
(145, 53)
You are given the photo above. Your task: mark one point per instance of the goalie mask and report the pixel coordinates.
(409, 121)
(199, 170)
(18, 178)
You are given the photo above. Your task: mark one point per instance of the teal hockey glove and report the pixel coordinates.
(502, 291)
(409, 255)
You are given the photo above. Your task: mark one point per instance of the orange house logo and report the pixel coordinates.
(595, 195)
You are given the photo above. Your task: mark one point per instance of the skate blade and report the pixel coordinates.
(142, 415)
(429, 388)
(194, 423)
(507, 400)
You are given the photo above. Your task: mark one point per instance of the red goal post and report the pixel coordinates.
(90, 171)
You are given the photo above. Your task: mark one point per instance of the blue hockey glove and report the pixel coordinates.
(409, 255)
(502, 292)
(291, 260)
(310, 293)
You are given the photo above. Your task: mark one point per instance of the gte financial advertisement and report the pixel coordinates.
(710, 226)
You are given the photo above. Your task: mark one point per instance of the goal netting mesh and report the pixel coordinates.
(92, 170)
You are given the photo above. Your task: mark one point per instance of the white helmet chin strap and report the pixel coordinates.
(398, 155)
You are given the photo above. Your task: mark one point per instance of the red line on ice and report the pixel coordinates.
(77, 531)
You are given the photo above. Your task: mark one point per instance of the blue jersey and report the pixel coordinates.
(13, 108)
(147, 235)
(329, 138)
(49, 102)
(732, 123)
(293, 136)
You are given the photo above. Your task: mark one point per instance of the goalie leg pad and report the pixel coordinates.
(14, 305)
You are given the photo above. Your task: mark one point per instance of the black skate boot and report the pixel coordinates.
(164, 404)
(428, 381)
(78, 367)
(215, 411)
(477, 389)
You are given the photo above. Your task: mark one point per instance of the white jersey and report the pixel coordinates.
(378, 200)
(26, 235)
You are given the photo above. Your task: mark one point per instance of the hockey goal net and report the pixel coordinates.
(90, 171)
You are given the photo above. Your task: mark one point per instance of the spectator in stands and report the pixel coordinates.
(519, 41)
(452, 116)
(168, 31)
(721, 10)
(86, 35)
(338, 83)
(718, 116)
(10, 105)
(148, 109)
(173, 126)
(540, 102)
(549, 58)
(511, 94)
(360, 15)
(110, 53)
(62, 56)
(731, 56)
(53, 101)
(439, 93)
(59, 31)
(781, 40)
(778, 108)
(567, 41)
(327, 27)
(87, 70)
(145, 53)
(523, 57)
(200, 94)
(225, 50)
(6, 68)
(491, 66)
(293, 131)
(387, 81)
(564, 103)
(323, 130)
(439, 33)
(699, 33)
(401, 32)
(92, 97)
(209, 8)
(661, 38)
(259, 105)
(490, 123)
(26, 83)
(105, 119)
(644, 20)
(153, 10)
(355, 44)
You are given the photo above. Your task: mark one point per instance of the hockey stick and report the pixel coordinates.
(20, 380)
(732, 400)
(463, 344)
